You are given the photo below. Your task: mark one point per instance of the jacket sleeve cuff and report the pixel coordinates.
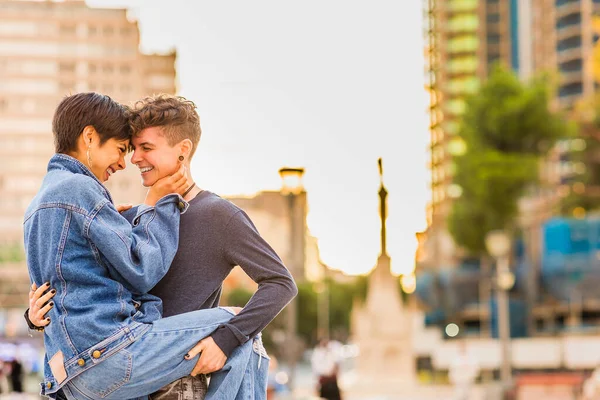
(142, 209)
(225, 339)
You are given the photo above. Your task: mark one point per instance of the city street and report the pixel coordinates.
(305, 390)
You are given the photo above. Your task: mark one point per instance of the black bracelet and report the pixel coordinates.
(30, 324)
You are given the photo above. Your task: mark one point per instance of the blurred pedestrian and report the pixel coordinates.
(463, 372)
(3, 388)
(325, 365)
(16, 376)
(591, 386)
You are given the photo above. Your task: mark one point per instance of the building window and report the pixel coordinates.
(92, 30)
(66, 67)
(569, 43)
(493, 59)
(456, 106)
(493, 18)
(493, 38)
(571, 66)
(67, 29)
(451, 127)
(109, 30)
(125, 31)
(463, 65)
(571, 89)
(463, 23)
(463, 44)
(563, 2)
(107, 69)
(92, 68)
(125, 69)
(462, 5)
(569, 20)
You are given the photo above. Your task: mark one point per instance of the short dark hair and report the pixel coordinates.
(75, 112)
(176, 115)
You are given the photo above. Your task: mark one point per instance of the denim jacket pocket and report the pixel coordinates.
(106, 377)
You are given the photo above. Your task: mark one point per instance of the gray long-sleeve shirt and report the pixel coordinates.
(215, 236)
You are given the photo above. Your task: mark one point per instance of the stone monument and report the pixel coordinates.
(382, 326)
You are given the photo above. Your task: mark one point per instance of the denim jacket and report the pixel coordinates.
(101, 266)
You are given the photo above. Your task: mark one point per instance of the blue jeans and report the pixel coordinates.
(157, 358)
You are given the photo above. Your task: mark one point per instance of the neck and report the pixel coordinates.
(77, 155)
(194, 192)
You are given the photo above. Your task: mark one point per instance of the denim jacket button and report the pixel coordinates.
(181, 206)
(81, 362)
(48, 385)
(96, 354)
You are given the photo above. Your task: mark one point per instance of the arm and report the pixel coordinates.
(244, 246)
(139, 253)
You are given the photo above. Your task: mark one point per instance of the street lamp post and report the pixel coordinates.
(498, 245)
(291, 188)
(322, 289)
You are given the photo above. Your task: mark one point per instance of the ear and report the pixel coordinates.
(88, 135)
(185, 148)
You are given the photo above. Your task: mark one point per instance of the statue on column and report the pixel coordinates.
(382, 326)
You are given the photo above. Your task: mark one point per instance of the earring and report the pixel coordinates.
(181, 158)
(89, 159)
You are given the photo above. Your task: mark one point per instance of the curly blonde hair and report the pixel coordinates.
(176, 115)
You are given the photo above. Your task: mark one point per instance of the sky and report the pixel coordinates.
(328, 85)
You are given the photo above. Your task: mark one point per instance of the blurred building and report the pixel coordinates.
(282, 223)
(574, 39)
(48, 50)
(464, 38)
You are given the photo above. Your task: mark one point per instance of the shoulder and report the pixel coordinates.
(74, 190)
(215, 207)
(83, 186)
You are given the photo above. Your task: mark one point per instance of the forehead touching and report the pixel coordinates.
(150, 136)
(119, 142)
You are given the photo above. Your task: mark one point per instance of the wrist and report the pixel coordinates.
(150, 200)
(30, 324)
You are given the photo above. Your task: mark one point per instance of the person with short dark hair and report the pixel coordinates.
(107, 338)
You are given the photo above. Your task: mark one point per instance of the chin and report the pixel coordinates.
(148, 182)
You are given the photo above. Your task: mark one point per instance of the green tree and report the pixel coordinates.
(10, 253)
(238, 297)
(506, 129)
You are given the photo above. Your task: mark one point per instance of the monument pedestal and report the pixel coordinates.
(382, 330)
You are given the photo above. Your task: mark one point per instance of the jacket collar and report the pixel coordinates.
(60, 161)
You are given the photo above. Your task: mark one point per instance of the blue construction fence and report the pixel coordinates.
(569, 266)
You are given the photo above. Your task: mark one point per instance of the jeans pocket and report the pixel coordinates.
(103, 379)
